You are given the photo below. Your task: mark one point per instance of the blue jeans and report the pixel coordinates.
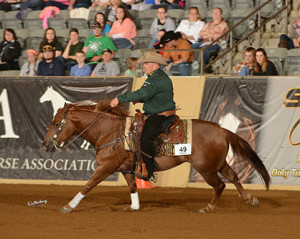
(290, 43)
(152, 42)
(215, 47)
(184, 68)
(168, 6)
(122, 43)
(244, 71)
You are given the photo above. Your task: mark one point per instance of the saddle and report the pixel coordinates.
(172, 133)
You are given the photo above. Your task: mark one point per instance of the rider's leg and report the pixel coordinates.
(152, 128)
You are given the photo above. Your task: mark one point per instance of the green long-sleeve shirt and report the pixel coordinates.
(156, 94)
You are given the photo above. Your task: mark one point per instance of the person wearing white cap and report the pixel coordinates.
(158, 99)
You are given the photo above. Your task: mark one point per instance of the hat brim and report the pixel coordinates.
(151, 59)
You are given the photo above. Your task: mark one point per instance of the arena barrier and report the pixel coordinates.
(262, 110)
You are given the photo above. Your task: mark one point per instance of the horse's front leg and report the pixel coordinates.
(100, 173)
(135, 202)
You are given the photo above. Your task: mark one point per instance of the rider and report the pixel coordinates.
(157, 96)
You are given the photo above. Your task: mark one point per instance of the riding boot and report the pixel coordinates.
(149, 167)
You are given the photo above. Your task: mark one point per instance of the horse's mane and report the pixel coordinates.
(101, 106)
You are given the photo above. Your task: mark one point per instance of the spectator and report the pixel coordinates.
(50, 39)
(74, 45)
(50, 66)
(294, 40)
(108, 67)
(246, 68)
(143, 5)
(10, 5)
(211, 31)
(123, 30)
(10, 50)
(81, 69)
(177, 60)
(170, 4)
(262, 66)
(110, 12)
(129, 3)
(99, 5)
(29, 68)
(95, 44)
(159, 45)
(191, 27)
(100, 17)
(161, 22)
(79, 4)
(132, 67)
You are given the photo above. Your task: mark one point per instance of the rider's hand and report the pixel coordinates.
(114, 102)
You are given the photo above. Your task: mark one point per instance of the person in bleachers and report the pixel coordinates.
(50, 66)
(10, 5)
(246, 68)
(132, 67)
(74, 45)
(29, 68)
(79, 3)
(294, 40)
(161, 22)
(107, 67)
(211, 31)
(81, 69)
(177, 60)
(10, 50)
(123, 30)
(50, 39)
(262, 66)
(99, 5)
(100, 17)
(159, 45)
(143, 5)
(95, 44)
(191, 27)
(110, 12)
(33, 5)
(170, 4)
(129, 3)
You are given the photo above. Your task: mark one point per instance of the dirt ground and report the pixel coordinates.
(164, 213)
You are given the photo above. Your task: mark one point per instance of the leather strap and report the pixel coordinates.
(167, 113)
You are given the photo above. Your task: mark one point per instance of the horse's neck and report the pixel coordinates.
(104, 128)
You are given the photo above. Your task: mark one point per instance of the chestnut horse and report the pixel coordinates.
(101, 126)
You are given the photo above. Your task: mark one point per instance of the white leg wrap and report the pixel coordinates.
(76, 200)
(135, 202)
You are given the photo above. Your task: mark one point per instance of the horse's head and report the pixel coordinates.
(60, 130)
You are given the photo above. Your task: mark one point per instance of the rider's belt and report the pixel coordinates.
(167, 113)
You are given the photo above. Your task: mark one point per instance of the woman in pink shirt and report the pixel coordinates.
(123, 30)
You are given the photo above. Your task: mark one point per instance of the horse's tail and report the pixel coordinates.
(242, 149)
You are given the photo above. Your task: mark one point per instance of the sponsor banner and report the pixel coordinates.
(27, 106)
(279, 141)
(237, 105)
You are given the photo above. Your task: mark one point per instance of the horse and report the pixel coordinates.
(103, 127)
(58, 101)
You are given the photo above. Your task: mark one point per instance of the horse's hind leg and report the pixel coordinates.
(135, 203)
(229, 173)
(213, 180)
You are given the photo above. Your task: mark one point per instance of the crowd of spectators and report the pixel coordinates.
(114, 28)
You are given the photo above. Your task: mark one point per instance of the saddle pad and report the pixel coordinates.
(166, 149)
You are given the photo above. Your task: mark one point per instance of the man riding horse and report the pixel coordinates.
(157, 96)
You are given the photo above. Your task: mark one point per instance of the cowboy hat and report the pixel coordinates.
(153, 57)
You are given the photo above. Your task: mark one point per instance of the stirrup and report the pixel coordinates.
(141, 172)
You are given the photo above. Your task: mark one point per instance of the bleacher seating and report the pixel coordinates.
(292, 61)
(10, 20)
(32, 21)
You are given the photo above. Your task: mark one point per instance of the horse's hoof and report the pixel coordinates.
(130, 209)
(66, 209)
(208, 209)
(254, 201)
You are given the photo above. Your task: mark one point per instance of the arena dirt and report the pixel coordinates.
(164, 213)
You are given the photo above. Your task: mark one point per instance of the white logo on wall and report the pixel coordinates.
(58, 102)
(6, 117)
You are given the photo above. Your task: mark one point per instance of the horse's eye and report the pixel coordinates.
(55, 125)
